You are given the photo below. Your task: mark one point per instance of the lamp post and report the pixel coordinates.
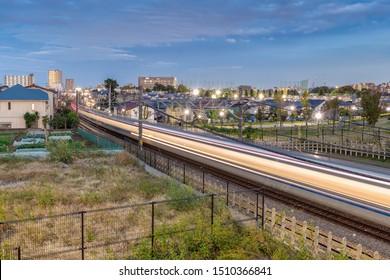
(318, 116)
(186, 113)
(195, 92)
(353, 109)
(221, 115)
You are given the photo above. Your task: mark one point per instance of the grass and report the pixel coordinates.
(46, 187)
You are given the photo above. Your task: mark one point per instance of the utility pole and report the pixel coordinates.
(109, 100)
(77, 101)
(240, 116)
(140, 142)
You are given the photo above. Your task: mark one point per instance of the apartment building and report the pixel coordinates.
(24, 80)
(54, 79)
(149, 82)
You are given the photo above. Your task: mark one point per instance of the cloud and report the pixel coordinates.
(162, 64)
(217, 68)
(85, 53)
(231, 40)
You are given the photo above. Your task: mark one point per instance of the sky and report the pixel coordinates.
(204, 43)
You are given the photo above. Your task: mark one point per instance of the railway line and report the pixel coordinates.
(377, 227)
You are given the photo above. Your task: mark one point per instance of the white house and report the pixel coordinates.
(18, 100)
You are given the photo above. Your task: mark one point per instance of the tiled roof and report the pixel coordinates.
(18, 92)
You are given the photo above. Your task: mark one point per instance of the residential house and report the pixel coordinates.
(18, 100)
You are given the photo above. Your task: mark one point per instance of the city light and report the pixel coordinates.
(318, 115)
(217, 92)
(186, 111)
(261, 96)
(195, 92)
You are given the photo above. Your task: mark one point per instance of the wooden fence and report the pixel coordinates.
(348, 149)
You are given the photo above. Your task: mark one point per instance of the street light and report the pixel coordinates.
(261, 96)
(195, 92)
(318, 116)
(353, 108)
(221, 115)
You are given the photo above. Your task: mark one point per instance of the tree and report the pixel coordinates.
(260, 115)
(306, 109)
(332, 108)
(279, 102)
(30, 118)
(370, 102)
(111, 84)
(159, 87)
(64, 118)
(182, 89)
(170, 89)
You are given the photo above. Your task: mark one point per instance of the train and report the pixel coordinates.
(355, 193)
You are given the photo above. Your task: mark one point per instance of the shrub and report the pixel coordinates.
(5, 140)
(61, 151)
(3, 149)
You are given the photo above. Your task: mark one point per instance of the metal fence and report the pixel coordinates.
(108, 233)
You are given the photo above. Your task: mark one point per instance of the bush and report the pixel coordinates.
(3, 149)
(61, 151)
(5, 141)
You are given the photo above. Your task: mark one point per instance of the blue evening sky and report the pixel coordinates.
(211, 43)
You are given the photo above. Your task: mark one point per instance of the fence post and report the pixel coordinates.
(257, 211)
(359, 251)
(203, 181)
(227, 193)
(329, 243)
(263, 211)
(152, 235)
(293, 224)
(212, 210)
(184, 173)
(273, 219)
(304, 232)
(169, 169)
(19, 253)
(82, 235)
(344, 246)
(316, 237)
(283, 227)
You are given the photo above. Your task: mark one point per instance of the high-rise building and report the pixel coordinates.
(54, 80)
(149, 82)
(24, 80)
(69, 85)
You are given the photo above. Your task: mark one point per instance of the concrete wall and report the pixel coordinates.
(15, 115)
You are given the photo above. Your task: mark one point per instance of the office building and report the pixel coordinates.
(69, 85)
(54, 80)
(24, 80)
(149, 82)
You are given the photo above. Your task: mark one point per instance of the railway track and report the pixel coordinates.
(357, 224)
